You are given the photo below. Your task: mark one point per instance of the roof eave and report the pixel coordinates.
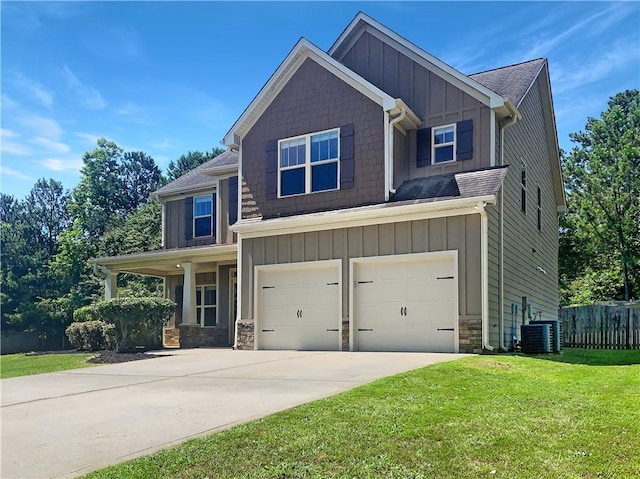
(447, 72)
(303, 50)
(375, 214)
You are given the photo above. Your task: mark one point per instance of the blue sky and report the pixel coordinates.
(168, 77)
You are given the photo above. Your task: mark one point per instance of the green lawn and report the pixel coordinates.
(483, 416)
(13, 365)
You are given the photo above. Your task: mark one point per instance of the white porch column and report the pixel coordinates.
(189, 294)
(111, 284)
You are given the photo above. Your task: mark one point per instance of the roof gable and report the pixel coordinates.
(303, 50)
(201, 176)
(363, 23)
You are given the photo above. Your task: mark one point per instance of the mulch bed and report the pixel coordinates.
(105, 357)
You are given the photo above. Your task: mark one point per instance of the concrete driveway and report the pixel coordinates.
(69, 423)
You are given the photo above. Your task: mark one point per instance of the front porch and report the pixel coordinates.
(201, 281)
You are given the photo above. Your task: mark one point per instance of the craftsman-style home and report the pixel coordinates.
(372, 198)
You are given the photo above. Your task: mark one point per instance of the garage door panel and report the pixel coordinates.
(298, 306)
(411, 299)
(279, 338)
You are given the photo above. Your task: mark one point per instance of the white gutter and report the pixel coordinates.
(484, 260)
(392, 123)
(503, 126)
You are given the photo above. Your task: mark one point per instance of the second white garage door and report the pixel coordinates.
(406, 303)
(299, 306)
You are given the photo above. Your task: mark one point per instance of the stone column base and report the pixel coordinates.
(246, 334)
(189, 336)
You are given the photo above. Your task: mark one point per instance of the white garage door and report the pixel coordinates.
(406, 303)
(298, 306)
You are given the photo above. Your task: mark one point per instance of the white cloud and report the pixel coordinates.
(89, 138)
(90, 96)
(10, 172)
(35, 89)
(128, 109)
(4, 133)
(589, 70)
(49, 145)
(40, 125)
(595, 22)
(61, 164)
(14, 148)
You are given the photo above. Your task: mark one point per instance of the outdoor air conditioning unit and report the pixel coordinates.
(536, 338)
(554, 324)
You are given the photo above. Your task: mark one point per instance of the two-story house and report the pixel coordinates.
(386, 202)
(198, 257)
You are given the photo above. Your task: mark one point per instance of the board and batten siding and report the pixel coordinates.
(525, 247)
(461, 233)
(435, 101)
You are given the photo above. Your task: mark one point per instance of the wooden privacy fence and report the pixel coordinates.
(601, 326)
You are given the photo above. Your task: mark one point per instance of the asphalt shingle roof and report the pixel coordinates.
(198, 177)
(511, 81)
(467, 184)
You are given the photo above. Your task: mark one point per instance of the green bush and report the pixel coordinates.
(85, 313)
(91, 335)
(137, 321)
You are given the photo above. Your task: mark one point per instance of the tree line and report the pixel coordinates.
(47, 238)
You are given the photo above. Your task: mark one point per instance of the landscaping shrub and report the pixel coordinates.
(137, 321)
(91, 335)
(85, 313)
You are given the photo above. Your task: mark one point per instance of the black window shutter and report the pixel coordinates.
(179, 293)
(233, 200)
(188, 218)
(346, 157)
(423, 147)
(464, 140)
(271, 169)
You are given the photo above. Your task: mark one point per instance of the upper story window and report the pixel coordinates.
(202, 215)
(440, 144)
(444, 143)
(309, 163)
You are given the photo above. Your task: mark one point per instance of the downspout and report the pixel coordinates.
(239, 300)
(392, 123)
(484, 260)
(503, 126)
(239, 253)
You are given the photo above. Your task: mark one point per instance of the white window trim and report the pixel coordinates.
(202, 307)
(453, 143)
(308, 164)
(210, 196)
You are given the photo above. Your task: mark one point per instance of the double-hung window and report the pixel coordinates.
(203, 215)
(444, 143)
(309, 163)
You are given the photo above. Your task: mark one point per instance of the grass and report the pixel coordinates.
(483, 416)
(13, 365)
